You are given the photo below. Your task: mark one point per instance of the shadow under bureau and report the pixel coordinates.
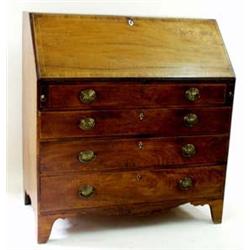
(123, 115)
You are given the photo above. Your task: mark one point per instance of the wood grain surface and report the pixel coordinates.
(156, 122)
(76, 46)
(29, 117)
(58, 157)
(62, 192)
(118, 95)
(140, 74)
(47, 218)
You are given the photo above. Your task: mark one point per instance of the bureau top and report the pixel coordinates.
(80, 46)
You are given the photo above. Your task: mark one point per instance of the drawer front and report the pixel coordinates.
(107, 95)
(147, 122)
(96, 155)
(107, 189)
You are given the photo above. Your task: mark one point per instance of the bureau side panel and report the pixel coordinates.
(29, 122)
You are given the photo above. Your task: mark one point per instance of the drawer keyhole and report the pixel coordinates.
(139, 177)
(141, 116)
(140, 145)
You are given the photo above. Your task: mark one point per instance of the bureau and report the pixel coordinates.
(123, 115)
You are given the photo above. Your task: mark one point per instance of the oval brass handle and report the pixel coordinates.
(86, 191)
(188, 150)
(192, 94)
(86, 156)
(190, 119)
(87, 95)
(87, 123)
(186, 183)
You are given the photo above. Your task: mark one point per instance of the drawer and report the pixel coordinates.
(108, 95)
(119, 188)
(147, 122)
(96, 155)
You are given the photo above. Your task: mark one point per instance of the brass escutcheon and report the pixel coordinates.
(131, 22)
(138, 177)
(43, 98)
(140, 145)
(141, 116)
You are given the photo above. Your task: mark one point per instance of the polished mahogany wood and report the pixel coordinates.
(44, 226)
(47, 219)
(216, 208)
(137, 71)
(29, 119)
(160, 122)
(127, 154)
(120, 94)
(77, 46)
(62, 192)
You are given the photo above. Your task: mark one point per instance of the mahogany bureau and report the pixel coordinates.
(123, 115)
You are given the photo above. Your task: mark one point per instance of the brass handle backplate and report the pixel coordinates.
(192, 94)
(86, 156)
(86, 191)
(188, 150)
(87, 123)
(87, 96)
(190, 119)
(186, 183)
